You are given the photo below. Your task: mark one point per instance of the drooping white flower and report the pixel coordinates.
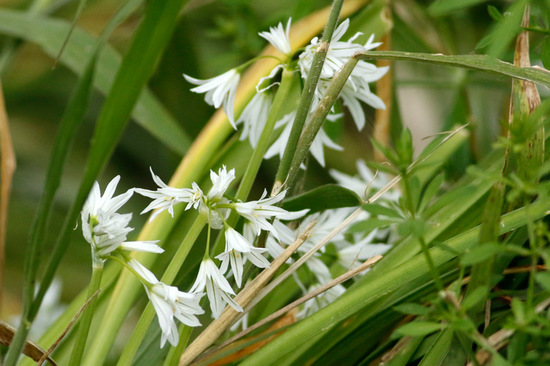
(356, 88)
(259, 212)
(220, 182)
(320, 301)
(220, 90)
(104, 228)
(279, 37)
(165, 197)
(218, 289)
(254, 117)
(169, 303)
(237, 251)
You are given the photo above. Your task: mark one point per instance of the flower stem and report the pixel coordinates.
(315, 123)
(263, 143)
(307, 96)
(86, 320)
(149, 313)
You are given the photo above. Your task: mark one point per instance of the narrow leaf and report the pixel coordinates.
(475, 62)
(329, 196)
(418, 328)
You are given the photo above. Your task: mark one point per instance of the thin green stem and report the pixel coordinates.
(173, 357)
(433, 269)
(307, 96)
(316, 121)
(86, 320)
(281, 98)
(149, 313)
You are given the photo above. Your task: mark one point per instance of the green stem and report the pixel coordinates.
(86, 320)
(149, 313)
(307, 96)
(317, 119)
(281, 98)
(173, 357)
(431, 264)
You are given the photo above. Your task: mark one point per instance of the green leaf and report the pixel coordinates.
(379, 210)
(430, 191)
(418, 328)
(545, 52)
(412, 309)
(50, 33)
(495, 13)
(480, 253)
(326, 197)
(474, 62)
(543, 278)
(475, 297)
(444, 7)
(369, 225)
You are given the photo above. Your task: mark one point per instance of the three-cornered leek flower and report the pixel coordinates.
(104, 228)
(217, 287)
(220, 90)
(169, 303)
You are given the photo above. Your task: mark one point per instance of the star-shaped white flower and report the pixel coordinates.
(254, 117)
(165, 197)
(220, 90)
(259, 212)
(217, 287)
(169, 303)
(279, 37)
(104, 228)
(220, 182)
(237, 251)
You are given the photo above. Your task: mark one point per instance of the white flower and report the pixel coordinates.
(220, 182)
(356, 88)
(321, 300)
(217, 287)
(237, 251)
(104, 228)
(259, 212)
(219, 90)
(279, 37)
(169, 303)
(165, 197)
(254, 117)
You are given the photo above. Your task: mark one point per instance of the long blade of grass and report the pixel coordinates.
(369, 292)
(49, 33)
(74, 114)
(475, 62)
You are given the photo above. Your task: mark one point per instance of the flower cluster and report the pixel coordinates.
(221, 89)
(239, 248)
(105, 230)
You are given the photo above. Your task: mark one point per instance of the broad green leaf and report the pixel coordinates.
(444, 7)
(475, 62)
(49, 34)
(329, 196)
(418, 328)
(480, 253)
